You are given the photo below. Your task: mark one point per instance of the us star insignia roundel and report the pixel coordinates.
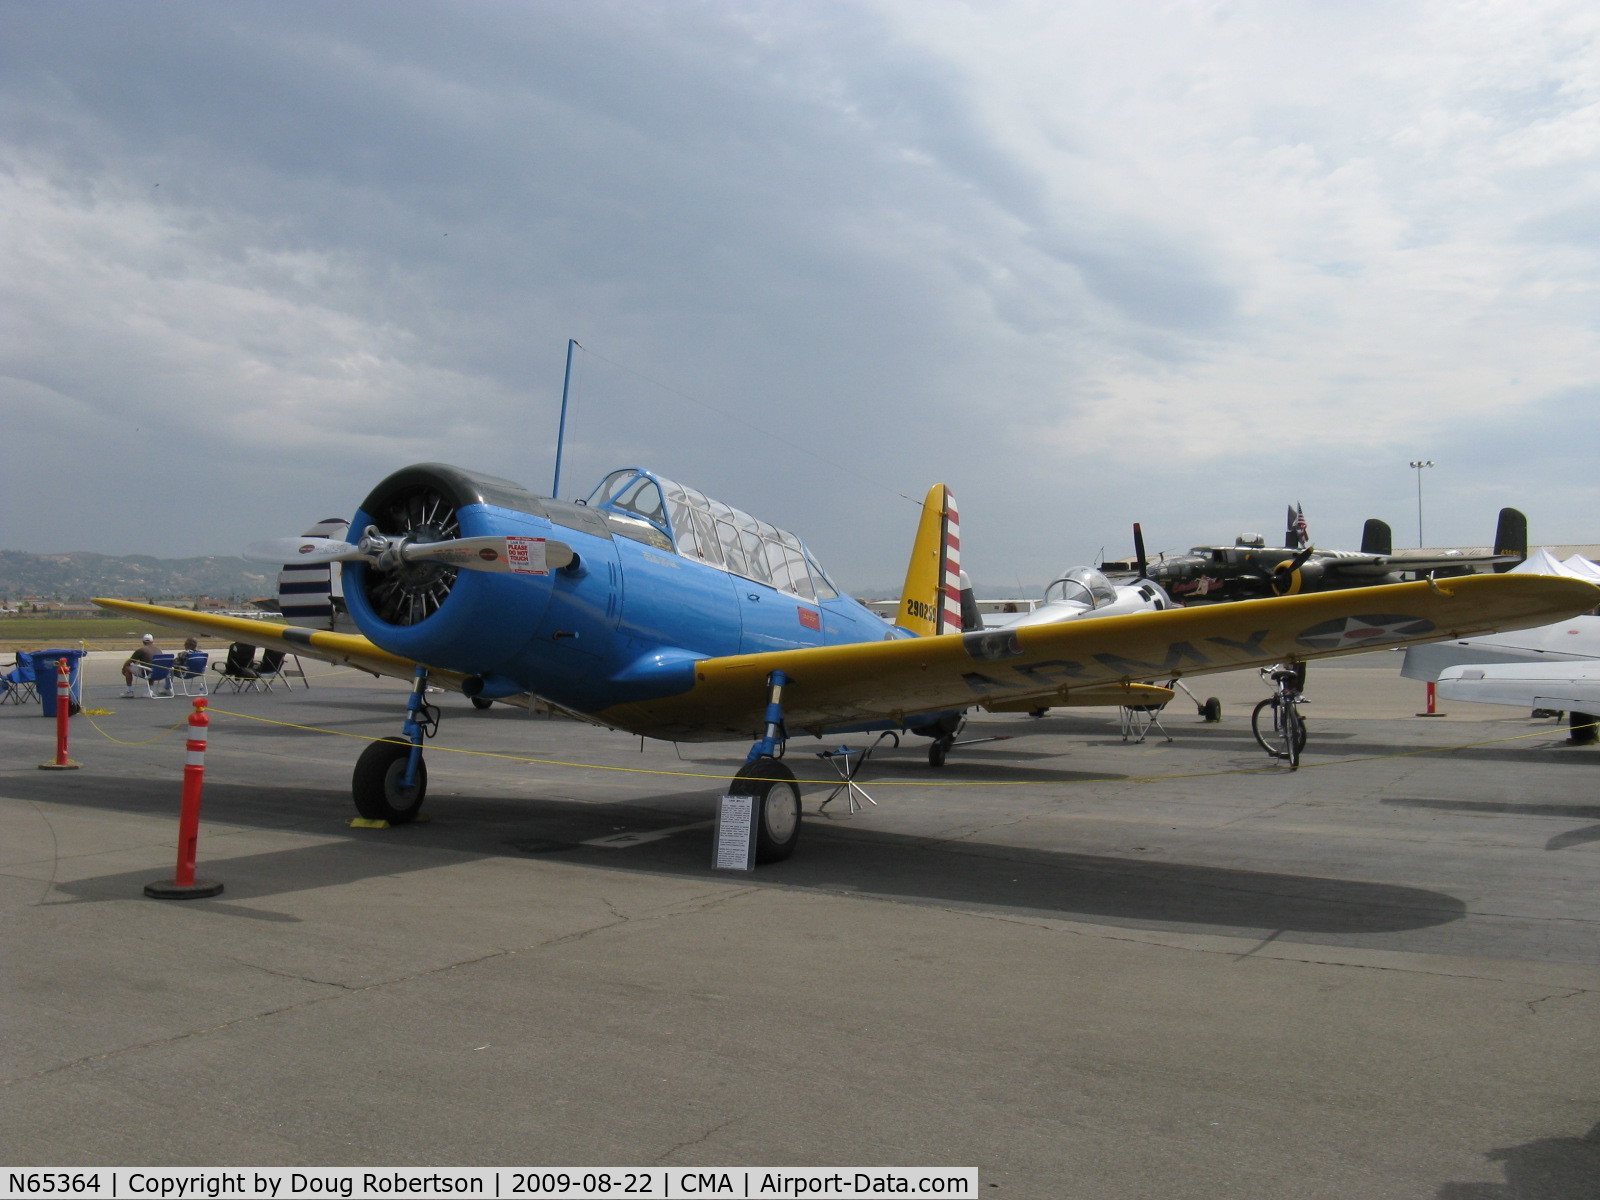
(1374, 629)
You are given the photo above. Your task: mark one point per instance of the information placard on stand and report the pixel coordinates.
(735, 841)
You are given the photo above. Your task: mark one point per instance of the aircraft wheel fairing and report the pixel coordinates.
(777, 803)
(376, 788)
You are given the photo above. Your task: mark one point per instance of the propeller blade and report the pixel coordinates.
(1138, 552)
(1283, 582)
(516, 555)
(303, 550)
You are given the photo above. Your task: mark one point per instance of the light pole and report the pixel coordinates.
(1417, 465)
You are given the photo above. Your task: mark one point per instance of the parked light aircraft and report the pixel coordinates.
(1551, 667)
(1572, 687)
(1250, 568)
(1084, 593)
(654, 609)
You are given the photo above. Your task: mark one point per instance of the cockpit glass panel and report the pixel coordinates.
(683, 528)
(824, 585)
(732, 551)
(1083, 585)
(611, 485)
(642, 497)
(755, 556)
(710, 550)
(708, 531)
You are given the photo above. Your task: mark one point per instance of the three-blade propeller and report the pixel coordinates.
(517, 555)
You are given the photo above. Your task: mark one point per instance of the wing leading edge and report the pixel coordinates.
(1073, 662)
(1045, 664)
(342, 649)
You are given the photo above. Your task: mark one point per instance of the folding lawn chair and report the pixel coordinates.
(157, 676)
(235, 670)
(17, 685)
(189, 673)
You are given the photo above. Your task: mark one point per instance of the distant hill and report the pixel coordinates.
(79, 575)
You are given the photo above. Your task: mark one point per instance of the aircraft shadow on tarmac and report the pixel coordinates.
(834, 857)
(1566, 812)
(1552, 1168)
(1530, 751)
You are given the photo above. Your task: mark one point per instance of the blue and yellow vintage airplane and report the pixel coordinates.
(654, 609)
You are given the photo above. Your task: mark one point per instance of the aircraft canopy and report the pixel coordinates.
(1082, 585)
(698, 527)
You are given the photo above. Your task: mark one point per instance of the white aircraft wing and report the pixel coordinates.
(1566, 686)
(1565, 641)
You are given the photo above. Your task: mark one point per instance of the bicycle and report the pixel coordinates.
(1283, 735)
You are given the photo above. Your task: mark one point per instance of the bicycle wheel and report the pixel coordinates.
(1294, 735)
(1266, 730)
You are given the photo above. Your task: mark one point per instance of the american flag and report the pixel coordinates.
(1297, 523)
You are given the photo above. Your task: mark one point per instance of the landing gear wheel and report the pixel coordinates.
(1211, 710)
(376, 783)
(480, 702)
(939, 749)
(777, 806)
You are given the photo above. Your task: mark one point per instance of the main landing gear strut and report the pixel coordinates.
(765, 777)
(391, 779)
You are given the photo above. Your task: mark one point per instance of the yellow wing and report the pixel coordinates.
(345, 649)
(1073, 662)
(1045, 664)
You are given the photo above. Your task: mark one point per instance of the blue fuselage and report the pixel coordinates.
(625, 622)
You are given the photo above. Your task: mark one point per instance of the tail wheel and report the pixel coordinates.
(376, 785)
(777, 806)
(480, 703)
(940, 749)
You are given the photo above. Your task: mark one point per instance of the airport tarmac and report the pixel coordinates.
(1088, 967)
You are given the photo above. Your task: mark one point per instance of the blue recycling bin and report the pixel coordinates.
(46, 672)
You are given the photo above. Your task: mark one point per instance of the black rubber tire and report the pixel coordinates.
(375, 785)
(480, 702)
(938, 750)
(1279, 743)
(1268, 741)
(1211, 710)
(777, 807)
(1295, 737)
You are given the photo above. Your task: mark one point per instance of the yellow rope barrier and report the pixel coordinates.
(834, 782)
(147, 741)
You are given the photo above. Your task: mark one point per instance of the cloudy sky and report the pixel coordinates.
(1087, 263)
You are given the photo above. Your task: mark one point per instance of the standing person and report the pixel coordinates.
(146, 654)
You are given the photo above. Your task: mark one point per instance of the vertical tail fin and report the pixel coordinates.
(930, 601)
(1511, 536)
(1377, 537)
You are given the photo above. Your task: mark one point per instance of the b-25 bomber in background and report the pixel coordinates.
(1250, 569)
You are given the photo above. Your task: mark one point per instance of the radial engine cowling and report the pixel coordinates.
(437, 613)
(1289, 580)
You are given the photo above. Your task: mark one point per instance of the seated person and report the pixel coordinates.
(145, 654)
